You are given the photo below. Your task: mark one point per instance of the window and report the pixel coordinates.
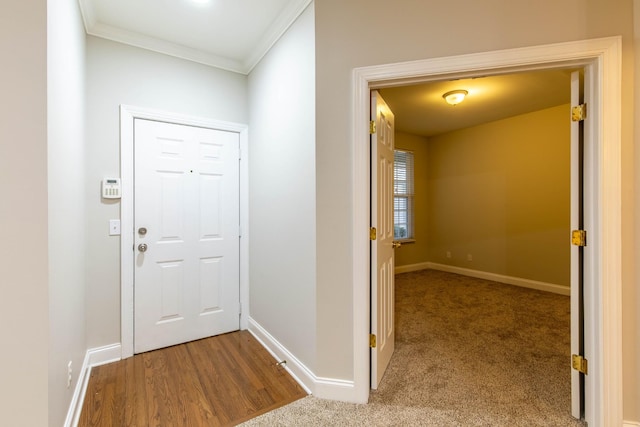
(403, 195)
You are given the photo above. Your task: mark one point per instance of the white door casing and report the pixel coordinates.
(186, 233)
(382, 259)
(602, 201)
(128, 115)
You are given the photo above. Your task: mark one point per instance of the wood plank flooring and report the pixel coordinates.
(218, 381)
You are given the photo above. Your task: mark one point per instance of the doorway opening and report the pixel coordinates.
(602, 197)
(491, 200)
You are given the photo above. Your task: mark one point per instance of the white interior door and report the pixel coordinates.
(382, 261)
(186, 248)
(577, 252)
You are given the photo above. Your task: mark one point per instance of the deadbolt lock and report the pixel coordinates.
(142, 231)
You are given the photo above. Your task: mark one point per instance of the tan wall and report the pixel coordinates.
(631, 296)
(418, 251)
(499, 192)
(358, 33)
(24, 325)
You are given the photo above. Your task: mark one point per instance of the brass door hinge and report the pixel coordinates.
(579, 363)
(579, 237)
(373, 233)
(579, 113)
(372, 341)
(372, 127)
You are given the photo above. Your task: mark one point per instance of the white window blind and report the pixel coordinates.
(403, 195)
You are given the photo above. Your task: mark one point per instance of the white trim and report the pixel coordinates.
(334, 389)
(295, 367)
(500, 278)
(103, 355)
(327, 388)
(75, 407)
(93, 357)
(127, 115)
(412, 267)
(153, 44)
(603, 328)
(244, 229)
(88, 13)
(276, 30)
(286, 18)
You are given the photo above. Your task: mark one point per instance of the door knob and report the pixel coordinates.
(396, 245)
(142, 247)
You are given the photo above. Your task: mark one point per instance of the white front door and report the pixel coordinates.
(382, 261)
(186, 209)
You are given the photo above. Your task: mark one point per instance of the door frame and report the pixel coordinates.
(603, 321)
(128, 114)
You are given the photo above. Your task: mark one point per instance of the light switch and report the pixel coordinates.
(114, 227)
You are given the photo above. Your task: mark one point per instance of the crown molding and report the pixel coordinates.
(280, 25)
(162, 46)
(88, 13)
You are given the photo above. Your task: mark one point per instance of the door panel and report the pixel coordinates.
(187, 199)
(382, 259)
(210, 284)
(169, 297)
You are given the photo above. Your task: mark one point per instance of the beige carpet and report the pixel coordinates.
(469, 352)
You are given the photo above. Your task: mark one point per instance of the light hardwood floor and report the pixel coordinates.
(218, 381)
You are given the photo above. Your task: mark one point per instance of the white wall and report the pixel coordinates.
(360, 33)
(282, 190)
(23, 214)
(66, 118)
(120, 74)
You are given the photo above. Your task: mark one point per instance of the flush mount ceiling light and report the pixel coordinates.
(455, 97)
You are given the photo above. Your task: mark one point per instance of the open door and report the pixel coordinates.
(382, 262)
(578, 240)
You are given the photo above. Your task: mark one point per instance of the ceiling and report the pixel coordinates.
(421, 110)
(229, 34)
(235, 34)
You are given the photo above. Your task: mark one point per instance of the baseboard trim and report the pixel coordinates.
(335, 389)
(412, 267)
(631, 424)
(103, 355)
(295, 367)
(509, 280)
(326, 388)
(93, 357)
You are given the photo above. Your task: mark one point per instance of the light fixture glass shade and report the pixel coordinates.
(455, 97)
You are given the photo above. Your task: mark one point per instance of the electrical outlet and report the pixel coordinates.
(448, 254)
(69, 373)
(469, 257)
